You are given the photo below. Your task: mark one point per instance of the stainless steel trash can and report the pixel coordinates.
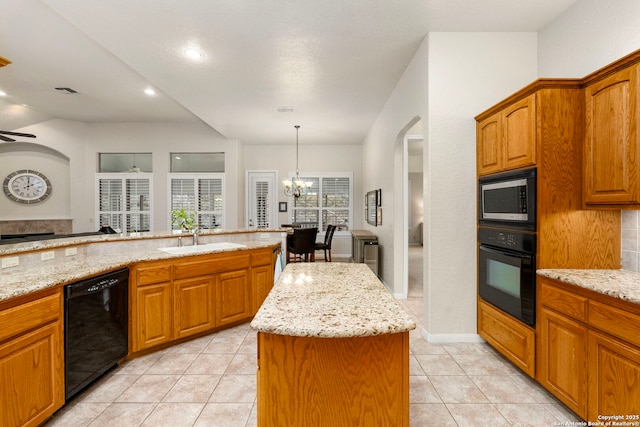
(371, 254)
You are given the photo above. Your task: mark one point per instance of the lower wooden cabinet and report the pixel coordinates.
(193, 306)
(515, 340)
(614, 378)
(233, 301)
(589, 356)
(31, 361)
(563, 363)
(180, 297)
(151, 315)
(261, 284)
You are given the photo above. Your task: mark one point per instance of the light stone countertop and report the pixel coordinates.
(330, 300)
(22, 280)
(621, 284)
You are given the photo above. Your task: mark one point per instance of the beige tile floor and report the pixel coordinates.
(210, 381)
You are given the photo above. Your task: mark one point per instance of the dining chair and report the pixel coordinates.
(326, 245)
(302, 245)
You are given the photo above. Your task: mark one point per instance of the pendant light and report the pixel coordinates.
(297, 187)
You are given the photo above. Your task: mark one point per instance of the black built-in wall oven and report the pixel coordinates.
(507, 243)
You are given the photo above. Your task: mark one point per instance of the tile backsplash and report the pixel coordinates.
(631, 240)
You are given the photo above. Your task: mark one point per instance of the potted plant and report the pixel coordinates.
(186, 221)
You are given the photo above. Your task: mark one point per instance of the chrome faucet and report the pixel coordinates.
(196, 234)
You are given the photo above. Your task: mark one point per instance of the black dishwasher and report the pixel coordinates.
(95, 328)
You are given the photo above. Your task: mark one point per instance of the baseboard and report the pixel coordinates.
(450, 338)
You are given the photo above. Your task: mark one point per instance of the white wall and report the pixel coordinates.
(588, 36)
(81, 143)
(452, 78)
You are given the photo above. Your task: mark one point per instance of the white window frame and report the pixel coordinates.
(320, 176)
(123, 212)
(195, 177)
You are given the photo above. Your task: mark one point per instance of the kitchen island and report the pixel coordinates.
(333, 349)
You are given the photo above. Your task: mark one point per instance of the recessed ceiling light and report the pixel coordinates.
(3, 93)
(149, 91)
(194, 53)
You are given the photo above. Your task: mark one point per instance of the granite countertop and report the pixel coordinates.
(621, 284)
(24, 280)
(330, 300)
(38, 245)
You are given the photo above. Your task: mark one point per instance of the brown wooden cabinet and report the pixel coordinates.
(563, 359)
(612, 140)
(193, 306)
(31, 360)
(589, 350)
(614, 377)
(233, 302)
(151, 306)
(515, 340)
(506, 140)
(180, 297)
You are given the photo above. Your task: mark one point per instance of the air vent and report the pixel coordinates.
(285, 109)
(67, 90)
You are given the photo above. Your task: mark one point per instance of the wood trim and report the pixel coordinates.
(4, 61)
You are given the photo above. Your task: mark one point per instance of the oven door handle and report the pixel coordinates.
(500, 251)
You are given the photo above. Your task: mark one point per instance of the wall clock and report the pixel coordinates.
(27, 186)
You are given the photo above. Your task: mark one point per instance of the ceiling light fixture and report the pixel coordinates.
(193, 53)
(3, 93)
(296, 187)
(149, 91)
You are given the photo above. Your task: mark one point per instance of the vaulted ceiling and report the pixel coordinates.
(330, 64)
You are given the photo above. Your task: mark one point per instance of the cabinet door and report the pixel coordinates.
(193, 306)
(563, 359)
(489, 145)
(233, 297)
(519, 130)
(151, 315)
(32, 372)
(612, 143)
(261, 284)
(614, 378)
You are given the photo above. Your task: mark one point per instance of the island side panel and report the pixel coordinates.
(308, 381)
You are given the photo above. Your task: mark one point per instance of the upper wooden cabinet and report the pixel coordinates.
(612, 141)
(507, 139)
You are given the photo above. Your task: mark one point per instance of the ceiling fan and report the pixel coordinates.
(7, 139)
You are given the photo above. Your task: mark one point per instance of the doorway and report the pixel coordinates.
(261, 199)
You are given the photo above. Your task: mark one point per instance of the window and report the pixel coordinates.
(197, 162)
(124, 201)
(199, 193)
(125, 162)
(328, 202)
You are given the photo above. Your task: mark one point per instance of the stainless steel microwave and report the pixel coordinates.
(508, 199)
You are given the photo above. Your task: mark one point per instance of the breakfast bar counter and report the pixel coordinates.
(333, 349)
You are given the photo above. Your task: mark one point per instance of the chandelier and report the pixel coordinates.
(297, 187)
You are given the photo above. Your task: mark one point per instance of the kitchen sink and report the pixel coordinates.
(217, 246)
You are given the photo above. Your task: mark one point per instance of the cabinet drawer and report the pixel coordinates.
(24, 317)
(185, 270)
(510, 337)
(156, 274)
(261, 258)
(617, 322)
(564, 302)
